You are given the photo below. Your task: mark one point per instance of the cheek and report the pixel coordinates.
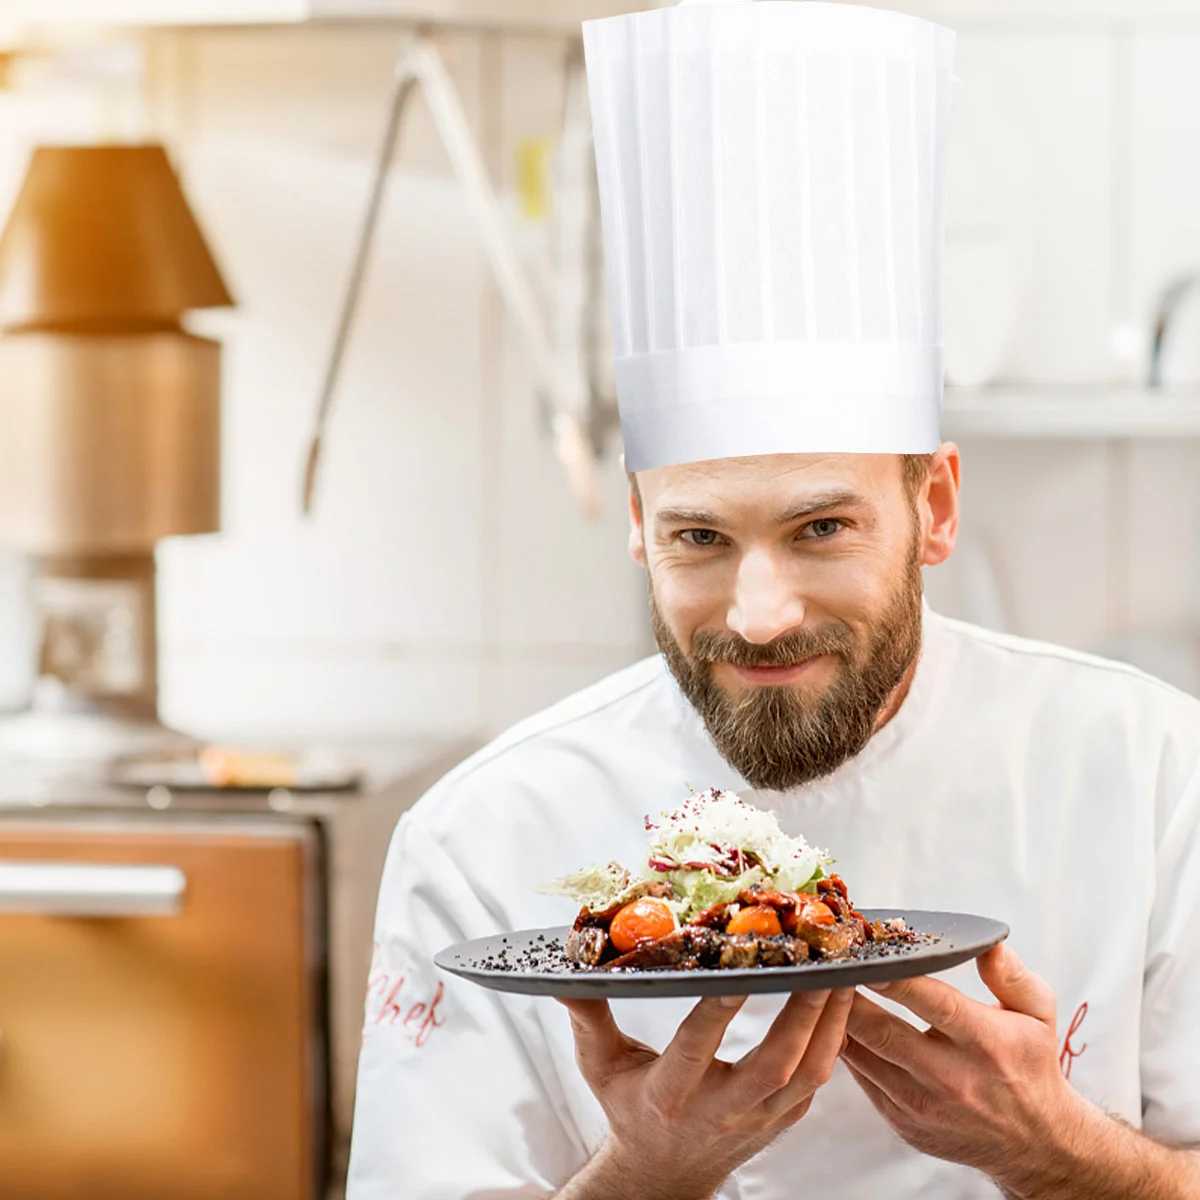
(689, 599)
(856, 588)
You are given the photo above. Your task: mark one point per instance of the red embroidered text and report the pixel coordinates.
(391, 1001)
(1070, 1052)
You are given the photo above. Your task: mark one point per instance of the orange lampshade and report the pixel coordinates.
(102, 237)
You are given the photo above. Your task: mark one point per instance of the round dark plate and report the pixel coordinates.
(949, 939)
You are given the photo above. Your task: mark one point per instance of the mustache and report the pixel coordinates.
(712, 646)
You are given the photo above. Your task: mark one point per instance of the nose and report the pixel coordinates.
(766, 603)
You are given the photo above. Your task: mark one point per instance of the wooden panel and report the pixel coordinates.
(153, 1058)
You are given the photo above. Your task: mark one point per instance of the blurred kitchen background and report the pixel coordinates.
(185, 942)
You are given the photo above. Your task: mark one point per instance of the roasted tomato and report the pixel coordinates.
(642, 921)
(808, 909)
(759, 919)
(816, 913)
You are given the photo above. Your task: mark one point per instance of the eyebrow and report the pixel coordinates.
(821, 502)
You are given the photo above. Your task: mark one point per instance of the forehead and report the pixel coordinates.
(767, 483)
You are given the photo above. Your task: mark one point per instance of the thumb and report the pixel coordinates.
(1016, 986)
(598, 1040)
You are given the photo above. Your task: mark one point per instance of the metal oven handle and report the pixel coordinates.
(90, 890)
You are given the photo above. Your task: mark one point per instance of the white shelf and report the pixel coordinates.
(1070, 412)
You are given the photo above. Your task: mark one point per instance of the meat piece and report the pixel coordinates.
(782, 951)
(696, 946)
(757, 894)
(686, 949)
(835, 883)
(715, 917)
(738, 952)
(587, 944)
(832, 941)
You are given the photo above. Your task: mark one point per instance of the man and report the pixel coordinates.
(772, 180)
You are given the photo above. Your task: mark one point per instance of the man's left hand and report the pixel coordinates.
(982, 1085)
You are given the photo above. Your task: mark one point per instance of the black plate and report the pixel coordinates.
(959, 938)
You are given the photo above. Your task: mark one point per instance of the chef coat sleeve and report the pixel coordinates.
(455, 1096)
(1170, 1058)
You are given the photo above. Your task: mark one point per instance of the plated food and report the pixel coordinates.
(722, 888)
(725, 904)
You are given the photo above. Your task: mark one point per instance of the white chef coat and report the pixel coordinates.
(1057, 792)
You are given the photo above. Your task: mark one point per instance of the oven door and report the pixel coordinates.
(160, 1031)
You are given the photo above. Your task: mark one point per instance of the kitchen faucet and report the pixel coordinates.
(1168, 306)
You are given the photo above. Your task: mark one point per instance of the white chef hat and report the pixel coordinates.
(772, 183)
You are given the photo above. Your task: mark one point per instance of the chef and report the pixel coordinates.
(773, 180)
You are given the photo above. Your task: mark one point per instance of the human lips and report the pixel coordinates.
(776, 676)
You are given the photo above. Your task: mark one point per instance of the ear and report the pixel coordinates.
(637, 534)
(938, 506)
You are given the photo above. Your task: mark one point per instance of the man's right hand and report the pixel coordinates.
(682, 1122)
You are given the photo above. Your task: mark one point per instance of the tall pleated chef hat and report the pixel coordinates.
(772, 182)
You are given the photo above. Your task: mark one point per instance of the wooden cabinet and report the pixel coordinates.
(154, 1056)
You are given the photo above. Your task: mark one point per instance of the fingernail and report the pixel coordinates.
(731, 1001)
(816, 999)
(883, 988)
(844, 995)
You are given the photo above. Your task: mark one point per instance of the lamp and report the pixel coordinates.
(109, 410)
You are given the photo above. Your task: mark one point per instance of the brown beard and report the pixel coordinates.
(776, 737)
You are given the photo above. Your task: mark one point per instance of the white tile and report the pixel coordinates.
(1037, 512)
(248, 693)
(392, 550)
(1166, 171)
(557, 579)
(562, 579)
(1164, 544)
(1030, 167)
(323, 88)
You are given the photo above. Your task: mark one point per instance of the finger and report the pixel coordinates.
(878, 1098)
(895, 1040)
(692, 1050)
(905, 1092)
(937, 1004)
(767, 1068)
(820, 1056)
(1016, 986)
(598, 1040)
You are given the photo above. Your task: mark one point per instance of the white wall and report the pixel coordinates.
(448, 581)
(1073, 137)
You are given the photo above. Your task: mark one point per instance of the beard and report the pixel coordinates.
(777, 737)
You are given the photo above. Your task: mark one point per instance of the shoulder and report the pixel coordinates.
(567, 786)
(1066, 691)
(1024, 656)
(556, 746)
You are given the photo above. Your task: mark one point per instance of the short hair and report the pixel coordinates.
(916, 468)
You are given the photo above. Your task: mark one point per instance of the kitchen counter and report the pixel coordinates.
(355, 830)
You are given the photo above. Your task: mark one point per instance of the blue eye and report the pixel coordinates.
(700, 537)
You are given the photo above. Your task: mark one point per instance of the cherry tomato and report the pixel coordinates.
(759, 919)
(642, 921)
(816, 913)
